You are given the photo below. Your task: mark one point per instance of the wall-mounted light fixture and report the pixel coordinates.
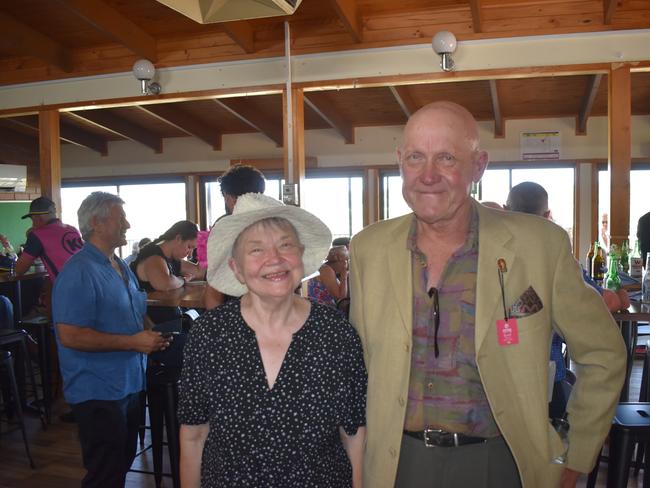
(143, 70)
(444, 43)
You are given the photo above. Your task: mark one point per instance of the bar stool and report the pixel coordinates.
(631, 424)
(11, 337)
(7, 369)
(162, 398)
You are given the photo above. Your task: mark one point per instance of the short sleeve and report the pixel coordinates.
(355, 383)
(193, 397)
(33, 246)
(74, 299)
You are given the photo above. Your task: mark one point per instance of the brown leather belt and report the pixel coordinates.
(442, 438)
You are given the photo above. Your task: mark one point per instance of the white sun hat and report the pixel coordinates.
(251, 208)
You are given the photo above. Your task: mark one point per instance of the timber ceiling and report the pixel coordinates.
(56, 39)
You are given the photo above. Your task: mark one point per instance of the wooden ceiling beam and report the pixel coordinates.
(21, 40)
(404, 99)
(185, 122)
(588, 103)
(477, 18)
(122, 127)
(25, 145)
(241, 33)
(609, 7)
(350, 17)
(244, 111)
(111, 22)
(499, 125)
(69, 133)
(321, 104)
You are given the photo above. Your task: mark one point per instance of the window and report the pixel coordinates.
(151, 208)
(393, 203)
(337, 201)
(559, 183)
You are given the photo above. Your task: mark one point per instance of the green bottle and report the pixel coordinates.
(625, 256)
(612, 280)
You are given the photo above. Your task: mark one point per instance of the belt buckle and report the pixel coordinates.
(440, 438)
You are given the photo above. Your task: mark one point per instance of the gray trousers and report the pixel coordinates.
(487, 465)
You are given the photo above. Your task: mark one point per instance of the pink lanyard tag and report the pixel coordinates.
(507, 332)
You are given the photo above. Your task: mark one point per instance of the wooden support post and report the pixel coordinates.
(49, 143)
(370, 196)
(192, 207)
(294, 123)
(619, 157)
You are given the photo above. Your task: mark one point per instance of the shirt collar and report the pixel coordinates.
(96, 253)
(471, 241)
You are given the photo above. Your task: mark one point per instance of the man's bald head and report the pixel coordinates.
(528, 197)
(455, 115)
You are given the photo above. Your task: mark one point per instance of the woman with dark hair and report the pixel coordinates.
(161, 265)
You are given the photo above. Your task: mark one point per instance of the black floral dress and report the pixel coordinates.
(283, 437)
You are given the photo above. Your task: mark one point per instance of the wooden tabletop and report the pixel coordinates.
(637, 312)
(189, 296)
(6, 277)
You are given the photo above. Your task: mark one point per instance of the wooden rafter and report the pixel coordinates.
(244, 111)
(185, 122)
(108, 20)
(241, 33)
(609, 7)
(499, 125)
(122, 127)
(69, 133)
(588, 103)
(404, 99)
(321, 104)
(350, 17)
(21, 40)
(477, 20)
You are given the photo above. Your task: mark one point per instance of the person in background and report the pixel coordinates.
(604, 232)
(531, 198)
(98, 312)
(454, 305)
(341, 241)
(643, 235)
(235, 182)
(331, 284)
(6, 313)
(7, 249)
(272, 392)
(50, 239)
(136, 249)
(162, 264)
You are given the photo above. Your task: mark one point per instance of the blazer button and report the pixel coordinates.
(393, 452)
(407, 347)
(401, 401)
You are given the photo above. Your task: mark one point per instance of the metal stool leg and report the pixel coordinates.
(173, 441)
(8, 363)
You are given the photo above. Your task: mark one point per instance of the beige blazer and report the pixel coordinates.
(538, 254)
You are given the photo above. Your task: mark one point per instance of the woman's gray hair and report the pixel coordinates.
(96, 205)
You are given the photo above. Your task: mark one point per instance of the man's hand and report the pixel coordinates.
(569, 478)
(149, 341)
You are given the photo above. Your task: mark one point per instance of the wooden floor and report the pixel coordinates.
(57, 455)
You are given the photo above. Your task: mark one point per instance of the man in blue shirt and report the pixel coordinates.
(99, 312)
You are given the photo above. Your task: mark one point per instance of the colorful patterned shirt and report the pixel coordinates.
(446, 391)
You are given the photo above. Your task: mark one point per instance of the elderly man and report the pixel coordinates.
(49, 239)
(235, 182)
(98, 310)
(454, 305)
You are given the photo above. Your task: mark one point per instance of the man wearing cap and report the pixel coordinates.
(50, 239)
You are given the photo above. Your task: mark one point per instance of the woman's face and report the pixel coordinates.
(338, 259)
(268, 260)
(182, 248)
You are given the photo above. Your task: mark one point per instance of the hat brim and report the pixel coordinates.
(312, 233)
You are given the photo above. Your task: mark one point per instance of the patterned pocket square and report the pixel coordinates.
(527, 304)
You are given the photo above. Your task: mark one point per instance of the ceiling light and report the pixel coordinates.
(444, 43)
(144, 70)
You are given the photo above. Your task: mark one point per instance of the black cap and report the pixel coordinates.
(40, 206)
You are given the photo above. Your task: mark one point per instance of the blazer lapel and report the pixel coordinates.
(400, 274)
(494, 243)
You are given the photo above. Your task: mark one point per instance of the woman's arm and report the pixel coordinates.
(354, 445)
(155, 271)
(192, 439)
(196, 271)
(338, 289)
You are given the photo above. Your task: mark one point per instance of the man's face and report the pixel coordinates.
(439, 161)
(111, 231)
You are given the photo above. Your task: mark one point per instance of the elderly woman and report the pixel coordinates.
(161, 265)
(273, 386)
